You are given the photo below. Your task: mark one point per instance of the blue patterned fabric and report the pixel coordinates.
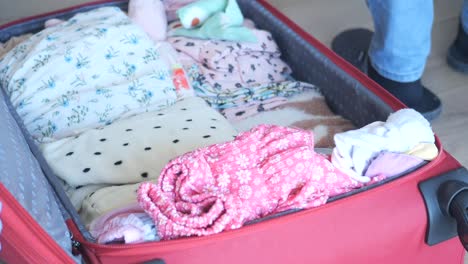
(21, 175)
(85, 73)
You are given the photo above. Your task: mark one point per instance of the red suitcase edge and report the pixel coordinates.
(445, 162)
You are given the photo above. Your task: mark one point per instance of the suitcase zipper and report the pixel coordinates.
(75, 245)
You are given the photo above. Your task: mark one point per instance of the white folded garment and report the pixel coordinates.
(402, 131)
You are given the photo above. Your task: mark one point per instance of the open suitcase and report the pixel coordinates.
(402, 220)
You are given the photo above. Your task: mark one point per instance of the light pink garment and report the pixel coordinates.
(264, 171)
(53, 22)
(392, 164)
(173, 5)
(227, 65)
(149, 15)
(125, 225)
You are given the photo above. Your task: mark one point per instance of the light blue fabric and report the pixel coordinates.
(464, 16)
(197, 12)
(402, 39)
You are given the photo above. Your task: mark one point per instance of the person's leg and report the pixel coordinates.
(402, 39)
(397, 52)
(464, 16)
(457, 56)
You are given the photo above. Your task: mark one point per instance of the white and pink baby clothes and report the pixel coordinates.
(404, 130)
(125, 225)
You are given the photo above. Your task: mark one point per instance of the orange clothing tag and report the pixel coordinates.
(179, 79)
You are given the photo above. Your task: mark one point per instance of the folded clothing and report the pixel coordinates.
(107, 199)
(137, 148)
(264, 171)
(213, 19)
(392, 164)
(230, 65)
(246, 110)
(246, 95)
(355, 149)
(127, 225)
(85, 73)
(12, 43)
(307, 110)
(228, 74)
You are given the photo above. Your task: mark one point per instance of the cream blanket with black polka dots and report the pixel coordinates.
(136, 149)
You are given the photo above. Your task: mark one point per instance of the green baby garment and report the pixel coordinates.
(224, 21)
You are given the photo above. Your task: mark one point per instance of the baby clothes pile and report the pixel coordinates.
(238, 76)
(247, 81)
(133, 150)
(112, 105)
(267, 170)
(107, 105)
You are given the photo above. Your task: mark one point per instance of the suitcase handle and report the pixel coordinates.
(453, 199)
(446, 199)
(155, 261)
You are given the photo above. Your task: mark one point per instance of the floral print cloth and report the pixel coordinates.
(227, 63)
(264, 171)
(228, 74)
(85, 73)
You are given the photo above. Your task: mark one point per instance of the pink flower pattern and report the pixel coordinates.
(263, 171)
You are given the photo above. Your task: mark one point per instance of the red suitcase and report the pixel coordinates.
(404, 220)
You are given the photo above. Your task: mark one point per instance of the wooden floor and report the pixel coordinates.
(324, 19)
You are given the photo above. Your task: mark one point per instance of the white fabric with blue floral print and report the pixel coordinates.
(85, 73)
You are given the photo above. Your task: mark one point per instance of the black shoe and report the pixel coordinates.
(353, 45)
(457, 56)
